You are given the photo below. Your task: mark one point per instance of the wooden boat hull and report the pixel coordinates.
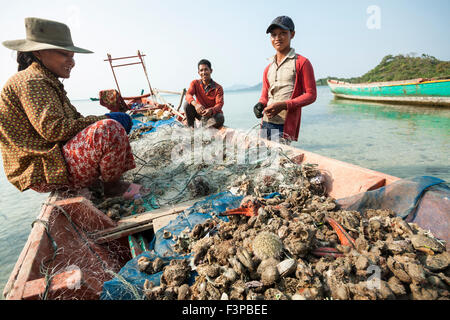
(75, 220)
(58, 228)
(435, 93)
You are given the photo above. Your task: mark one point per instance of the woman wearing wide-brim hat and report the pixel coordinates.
(46, 144)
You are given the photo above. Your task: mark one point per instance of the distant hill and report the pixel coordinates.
(236, 87)
(243, 88)
(401, 67)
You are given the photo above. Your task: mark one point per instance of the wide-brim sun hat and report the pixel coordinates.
(42, 34)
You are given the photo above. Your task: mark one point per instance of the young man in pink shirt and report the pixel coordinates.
(288, 84)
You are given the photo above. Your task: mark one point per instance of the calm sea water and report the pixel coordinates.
(403, 141)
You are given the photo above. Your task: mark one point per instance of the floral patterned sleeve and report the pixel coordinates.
(47, 114)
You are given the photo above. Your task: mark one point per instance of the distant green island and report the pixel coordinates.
(391, 68)
(400, 67)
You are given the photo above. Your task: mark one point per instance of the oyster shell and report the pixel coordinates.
(157, 265)
(176, 273)
(184, 292)
(270, 275)
(438, 262)
(145, 265)
(237, 265)
(245, 258)
(421, 242)
(287, 267)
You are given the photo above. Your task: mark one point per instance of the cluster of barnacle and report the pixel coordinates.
(199, 187)
(392, 260)
(194, 240)
(160, 151)
(117, 207)
(161, 113)
(136, 134)
(271, 255)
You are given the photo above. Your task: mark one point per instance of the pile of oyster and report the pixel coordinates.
(276, 254)
(159, 114)
(117, 207)
(136, 134)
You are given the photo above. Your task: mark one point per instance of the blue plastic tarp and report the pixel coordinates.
(401, 196)
(128, 284)
(155, 124)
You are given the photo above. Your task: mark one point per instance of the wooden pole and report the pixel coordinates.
(126, 64)
(169, 105)
(145, 71)
(143, 55)
(114, 74)
(181, 100)
(167, 91)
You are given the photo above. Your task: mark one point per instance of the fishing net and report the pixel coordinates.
(67, 250)
(177, 163)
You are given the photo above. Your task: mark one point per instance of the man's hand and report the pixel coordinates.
(206, 113)
(258, 110)
(274, 109)
(199, 108)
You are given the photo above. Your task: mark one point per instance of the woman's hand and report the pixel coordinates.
(123, 118)
(274, 109)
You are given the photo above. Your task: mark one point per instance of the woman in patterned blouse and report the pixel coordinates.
(46, 143)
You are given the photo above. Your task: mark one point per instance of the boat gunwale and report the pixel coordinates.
(443, 102)
(418, 81)
(19, 276)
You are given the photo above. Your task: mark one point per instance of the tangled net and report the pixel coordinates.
(71, 249)
(178, 164)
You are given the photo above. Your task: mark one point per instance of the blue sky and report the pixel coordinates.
(175, 35)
